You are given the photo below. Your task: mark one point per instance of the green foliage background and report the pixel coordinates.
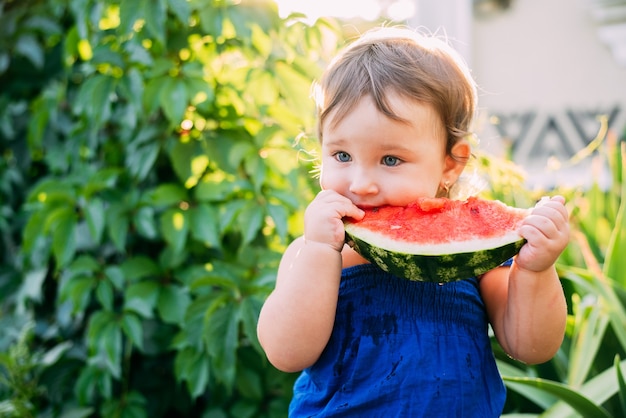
(149, 182)
(156, 160)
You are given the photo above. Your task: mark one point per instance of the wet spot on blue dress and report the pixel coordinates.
(470, 368)
(394, 367)
(380, 326)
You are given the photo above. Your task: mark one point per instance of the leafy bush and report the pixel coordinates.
(148, 185)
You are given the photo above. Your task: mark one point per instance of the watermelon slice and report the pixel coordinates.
(438, 239)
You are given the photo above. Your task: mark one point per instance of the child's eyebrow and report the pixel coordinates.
(383, 145)
(392, 146)
(336, 142)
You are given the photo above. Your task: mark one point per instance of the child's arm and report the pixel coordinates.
(525, 303)
(297, 318)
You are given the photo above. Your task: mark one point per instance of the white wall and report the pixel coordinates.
(544, 53)
(542, 67)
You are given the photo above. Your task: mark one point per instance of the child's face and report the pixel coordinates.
(374, 160)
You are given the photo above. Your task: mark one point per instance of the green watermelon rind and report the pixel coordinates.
(436, 268)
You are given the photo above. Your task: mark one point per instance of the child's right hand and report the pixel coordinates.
(323, 218)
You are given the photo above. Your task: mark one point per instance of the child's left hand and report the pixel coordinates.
(546, 231)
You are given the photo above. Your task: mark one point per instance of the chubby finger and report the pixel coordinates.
(557, 198)
(342, 206)
(553, 208)
(541, 223)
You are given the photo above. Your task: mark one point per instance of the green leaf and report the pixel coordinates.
(181, 10)
(249, 384)
(145, 223)
(142, 298)
(175, 228)
(204, 225)
(94, 98)
(110, 340)
(140, 159)
(105, 294)
(77, 412)
(172, 259)
(194, 322)
(229, 214)
(32, 230)
(216, 190)
(292, 84)
(621, 383)
(600, 388)
(238, 151)
(117, 224)
(582, 404)
(51, 190)
(192, 367)
(131, 85)
(55, 353)
(64, 238)
(140, 267)
(28, 47)
(257, 170)
(250, 308)
(32, 286)
(200, 90)
(78, 291)
(217, 412)
(172, 304)
(174, 99)
(280, 217)
(250, 221)
(5, 61)
(221, 332)
(152, 91)
(539, 397)
(88, 382)
(130, 11)
(189, 161)
(154, 13)
(115, 275)
(591, 323)
(169, 194)
(123, 408)
(38, 123)
(245, 409)
(101, 180)
(95, 216)
(131, 325)
(596, 283)
(262, 86)
(83, 264)
(614, 264)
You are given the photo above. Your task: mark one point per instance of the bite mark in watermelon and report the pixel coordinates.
(438, 239)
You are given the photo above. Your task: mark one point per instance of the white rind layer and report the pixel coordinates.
(445, 248)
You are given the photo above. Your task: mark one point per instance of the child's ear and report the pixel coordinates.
(457, 160)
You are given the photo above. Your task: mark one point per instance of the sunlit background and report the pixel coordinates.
(396, 10)
(547, 70)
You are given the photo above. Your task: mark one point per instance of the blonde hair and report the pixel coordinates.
(401, 61)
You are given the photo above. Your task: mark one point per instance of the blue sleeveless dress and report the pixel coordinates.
(403, 349)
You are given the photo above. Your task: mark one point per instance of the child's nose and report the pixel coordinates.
(363, 183)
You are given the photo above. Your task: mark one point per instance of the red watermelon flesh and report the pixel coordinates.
(442, 226)
(438, 239)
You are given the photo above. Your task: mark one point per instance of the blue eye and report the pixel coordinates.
(343, 157)
(390, 161)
